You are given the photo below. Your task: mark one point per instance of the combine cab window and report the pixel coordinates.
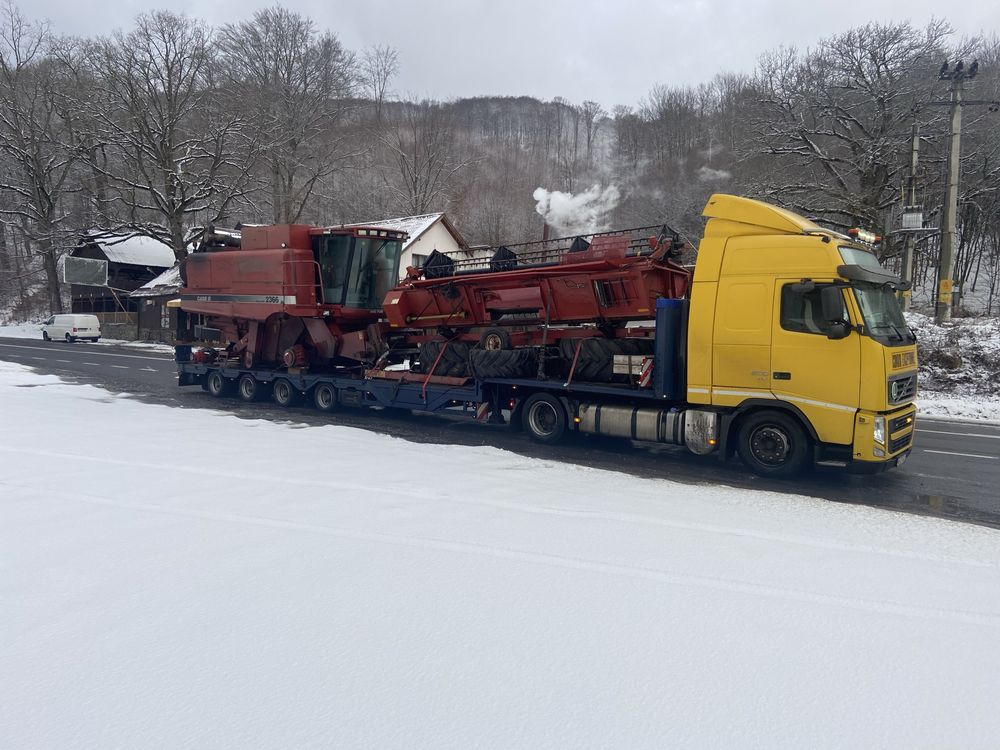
(333, 256)
(374, 271)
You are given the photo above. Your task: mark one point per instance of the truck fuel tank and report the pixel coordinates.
(695, 428)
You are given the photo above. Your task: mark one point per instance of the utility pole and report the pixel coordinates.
(946, 263)
(949, 233)
(910, 203)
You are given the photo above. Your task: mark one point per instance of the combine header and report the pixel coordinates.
(522, 294)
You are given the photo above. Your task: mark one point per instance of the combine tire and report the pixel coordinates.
(495, 338)
(544, 418)
(453, 363)
(636, 347)
(285, 394)
(325, 397)
(596, 361)
(217, 385)
(773, 444)
(248, 388)
(503, 363)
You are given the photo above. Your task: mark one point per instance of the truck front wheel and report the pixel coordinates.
(773, 444)
(544, 418)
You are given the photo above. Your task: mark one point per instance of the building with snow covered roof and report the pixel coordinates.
(132, 261)
(428, 232)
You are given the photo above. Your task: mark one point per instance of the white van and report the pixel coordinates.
(71, 328)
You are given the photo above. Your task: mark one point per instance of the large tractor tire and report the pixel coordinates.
(454, 362)
(503, 363)
(595, 363)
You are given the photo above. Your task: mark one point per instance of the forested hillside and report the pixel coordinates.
(168, 125)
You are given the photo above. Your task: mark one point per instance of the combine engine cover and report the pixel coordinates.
(610, 279)
(293, 295)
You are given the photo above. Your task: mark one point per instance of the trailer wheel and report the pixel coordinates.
(544, 418)
(325, 397)
(285, 394)
(495, 338)
(249, 388)
(217, 385)
(773, 444)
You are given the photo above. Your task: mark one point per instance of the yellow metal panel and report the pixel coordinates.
(757, 213)
(742, 353)
(699, 344)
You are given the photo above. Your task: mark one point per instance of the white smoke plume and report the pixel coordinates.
(576, 213)
(707, 174)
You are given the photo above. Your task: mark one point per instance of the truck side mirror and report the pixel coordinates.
(838, 330)
(832, 301)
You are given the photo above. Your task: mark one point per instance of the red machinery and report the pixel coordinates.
(293, 294)
(521, 290)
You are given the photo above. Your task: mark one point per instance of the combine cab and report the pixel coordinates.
(292, 295)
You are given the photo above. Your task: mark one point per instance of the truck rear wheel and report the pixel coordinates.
(544, 418)
(325, 397)
(285, 394)
(217, 385)
(773, 444)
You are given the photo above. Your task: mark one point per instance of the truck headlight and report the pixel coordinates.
(879, 431)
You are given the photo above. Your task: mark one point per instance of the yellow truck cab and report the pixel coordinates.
(796, 337)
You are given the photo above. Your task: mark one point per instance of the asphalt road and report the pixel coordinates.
(953, 472)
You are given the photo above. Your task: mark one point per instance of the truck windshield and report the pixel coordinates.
(374, 271)
(882, 313)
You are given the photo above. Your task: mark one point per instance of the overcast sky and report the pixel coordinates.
(612, 51)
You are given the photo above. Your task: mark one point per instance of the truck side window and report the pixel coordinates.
(803, 311)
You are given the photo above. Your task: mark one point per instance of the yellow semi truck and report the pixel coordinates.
(796, 338)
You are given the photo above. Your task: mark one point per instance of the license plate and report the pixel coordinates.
(902, 459)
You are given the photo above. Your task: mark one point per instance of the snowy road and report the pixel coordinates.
(953, 472)
(196, 580)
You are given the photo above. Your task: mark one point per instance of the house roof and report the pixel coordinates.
(133, 249)
(167, 282)
(415, 226)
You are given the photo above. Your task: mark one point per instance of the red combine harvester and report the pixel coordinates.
(292, 295)
(523, 293)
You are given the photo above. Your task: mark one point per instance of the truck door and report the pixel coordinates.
(820, 376)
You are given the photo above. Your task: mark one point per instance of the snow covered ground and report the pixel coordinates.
(185, 578)
(959, 367)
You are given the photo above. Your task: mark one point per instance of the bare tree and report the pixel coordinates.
(294, 84)
(838, 119)
(422, 157)
(37, 141)
(379, 64)
(182, 153)
(592, 114)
